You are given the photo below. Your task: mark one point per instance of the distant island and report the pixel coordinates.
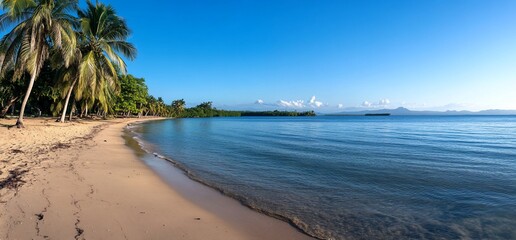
(377, 114)
(401, 111)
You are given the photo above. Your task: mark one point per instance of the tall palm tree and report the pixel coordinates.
(102, 37)
(41, 27)
(178, 107)
(151, 105)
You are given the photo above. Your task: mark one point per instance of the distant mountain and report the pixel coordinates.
(401, 111)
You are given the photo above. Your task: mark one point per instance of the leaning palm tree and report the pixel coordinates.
(102, 37)
(178, 107)
(41, 27)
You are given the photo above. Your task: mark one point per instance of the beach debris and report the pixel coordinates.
(60, 146)
(105, 140)
(15, 151)
(79, 230)
(197, 218)
(13, 181)
(40, 216)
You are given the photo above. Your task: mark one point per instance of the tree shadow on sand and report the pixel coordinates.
(8, 126)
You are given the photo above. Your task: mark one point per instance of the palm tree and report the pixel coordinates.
(178, 107)
(151, 105)
(161, 107)
(102, 37)
(41, 27)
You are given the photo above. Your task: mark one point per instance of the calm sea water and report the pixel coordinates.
(358, 177)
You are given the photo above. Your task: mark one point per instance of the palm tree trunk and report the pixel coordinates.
(7, 106)
(63, 115)
(19, 123)
(71, 110)
(86, 110)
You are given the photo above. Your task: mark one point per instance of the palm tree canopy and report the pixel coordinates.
(102, 39)
(14, 9)
(40, 26)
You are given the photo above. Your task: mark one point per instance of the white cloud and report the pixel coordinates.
(315, 103)
(384, 102)
(259, 101)
(340, 105)
(294, 104)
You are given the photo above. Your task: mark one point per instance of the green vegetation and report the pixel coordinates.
(43, 30)
(206, 110)
(66, 58)
(57, 59)
(102, 36)
(133, 96)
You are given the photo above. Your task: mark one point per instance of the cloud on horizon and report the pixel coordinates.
(382, 103)
(263, 105)
(292, 104)
(313, 103)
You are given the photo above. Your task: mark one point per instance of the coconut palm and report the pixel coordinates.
(42, 28)
(178, 107)
(102, 37)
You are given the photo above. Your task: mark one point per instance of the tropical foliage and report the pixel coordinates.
(133, 96)
(101, 37)
(41, 28)
(81, 49)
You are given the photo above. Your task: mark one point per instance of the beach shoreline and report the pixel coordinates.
(80, 180)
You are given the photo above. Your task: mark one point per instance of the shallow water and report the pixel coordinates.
(357, 177)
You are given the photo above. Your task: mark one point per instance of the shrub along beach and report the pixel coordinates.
(75, 177)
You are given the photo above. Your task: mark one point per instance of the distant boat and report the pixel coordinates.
(377, 114)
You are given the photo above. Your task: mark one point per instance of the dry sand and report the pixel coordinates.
(80, 181)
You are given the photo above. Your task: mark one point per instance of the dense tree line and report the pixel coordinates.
(205, 109)
(72, 57)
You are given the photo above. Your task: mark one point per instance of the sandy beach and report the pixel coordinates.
(80, 181)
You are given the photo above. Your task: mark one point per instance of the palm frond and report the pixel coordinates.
(16, 7)
(126, 48)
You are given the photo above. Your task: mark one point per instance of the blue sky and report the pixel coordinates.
(435, 54)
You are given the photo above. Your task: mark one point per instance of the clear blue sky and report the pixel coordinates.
(433, 54)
